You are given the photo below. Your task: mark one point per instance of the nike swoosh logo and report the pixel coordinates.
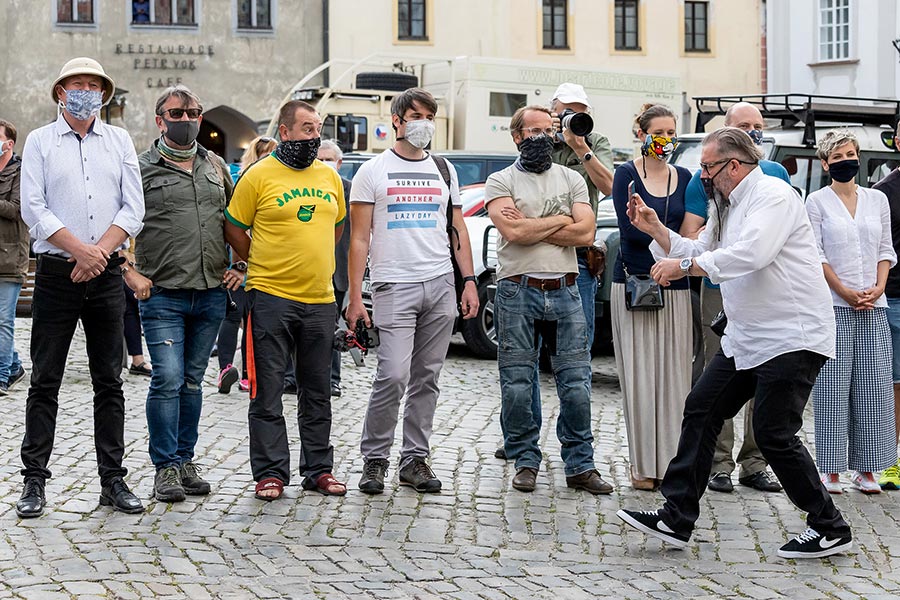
(826, 543)
(663, 527)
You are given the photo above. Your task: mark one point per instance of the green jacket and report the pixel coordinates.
(565, 156)
(182, 244)
(13, 231)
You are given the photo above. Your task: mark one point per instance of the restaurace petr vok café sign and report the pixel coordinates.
(166, 58)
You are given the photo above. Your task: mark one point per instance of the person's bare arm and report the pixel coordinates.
(579, 233)
(524, 231)
(238, 239)
(360, 232)
(691, 226)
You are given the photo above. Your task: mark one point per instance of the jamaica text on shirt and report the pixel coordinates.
(302, 193)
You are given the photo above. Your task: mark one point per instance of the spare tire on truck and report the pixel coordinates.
(391, 82)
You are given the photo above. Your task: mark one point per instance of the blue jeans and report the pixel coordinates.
(524, 315)
(587, 289)
(9, 358)
(180, 327)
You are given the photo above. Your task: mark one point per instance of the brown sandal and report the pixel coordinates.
(325, 484)
(269, 483)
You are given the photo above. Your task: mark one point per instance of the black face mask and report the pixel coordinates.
(844, 170)
(535, 153)
(182, 133)
(298, 154)
(708, 187)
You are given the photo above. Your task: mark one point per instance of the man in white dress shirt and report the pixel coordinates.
(81, 199)
(759, 245)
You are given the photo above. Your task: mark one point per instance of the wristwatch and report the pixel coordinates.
(587, 157)
(686, 264)
(240, 266)
(471, 278)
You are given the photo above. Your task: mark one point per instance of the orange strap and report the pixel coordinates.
(251, 358)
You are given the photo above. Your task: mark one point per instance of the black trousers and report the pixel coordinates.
(278, 329)
(57, 306)
(228, 332)
(781, 386)
(133, 339)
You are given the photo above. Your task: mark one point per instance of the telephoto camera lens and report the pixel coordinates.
(580, 123)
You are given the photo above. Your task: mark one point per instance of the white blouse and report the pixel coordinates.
(852, 245)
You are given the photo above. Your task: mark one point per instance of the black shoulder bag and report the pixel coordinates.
(458, 282)
(641, 291)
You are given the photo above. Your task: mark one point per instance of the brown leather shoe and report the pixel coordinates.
(525, 479)
(589, 481)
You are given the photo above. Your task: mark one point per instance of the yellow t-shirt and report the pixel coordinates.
(293, 215)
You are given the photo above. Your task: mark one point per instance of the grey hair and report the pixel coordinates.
(834, 139)
(181, 92)
(332, 145)
(735, 143)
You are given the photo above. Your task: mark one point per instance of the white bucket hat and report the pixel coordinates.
(571, 92)
(85, 66)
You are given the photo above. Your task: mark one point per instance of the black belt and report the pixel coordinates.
(54, 264)
(544, 284)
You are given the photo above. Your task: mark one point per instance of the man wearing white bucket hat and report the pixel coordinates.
(81, 199)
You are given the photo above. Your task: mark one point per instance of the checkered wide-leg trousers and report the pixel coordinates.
(853, 398)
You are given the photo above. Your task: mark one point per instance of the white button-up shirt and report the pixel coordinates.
(83, 185)
(852, 245)
(773, 288)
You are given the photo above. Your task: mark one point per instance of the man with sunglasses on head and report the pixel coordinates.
(179, 278)
(753, 473)
(82, 200)
(759, 245)
(400, 201)
(294, 205)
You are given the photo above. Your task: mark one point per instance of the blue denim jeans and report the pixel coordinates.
(180, 327)
(524, 315)
(587, 289)
(9, 358)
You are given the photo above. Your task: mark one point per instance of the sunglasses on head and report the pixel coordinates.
(177, 113)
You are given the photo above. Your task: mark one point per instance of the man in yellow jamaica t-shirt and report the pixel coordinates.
(294, 207)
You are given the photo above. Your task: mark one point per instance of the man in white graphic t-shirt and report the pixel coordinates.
(399, 201)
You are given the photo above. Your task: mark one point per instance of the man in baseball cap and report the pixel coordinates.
(81, 199)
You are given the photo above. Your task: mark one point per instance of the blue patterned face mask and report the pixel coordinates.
(83, 104)
(756, 136)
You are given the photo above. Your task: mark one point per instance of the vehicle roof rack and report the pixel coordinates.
(805, 109)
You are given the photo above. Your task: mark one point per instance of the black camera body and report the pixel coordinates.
(362, 338)
(579, 123)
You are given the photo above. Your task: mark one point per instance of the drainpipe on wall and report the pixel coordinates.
(325, 40)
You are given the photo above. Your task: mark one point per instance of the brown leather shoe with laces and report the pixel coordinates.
(589, 481)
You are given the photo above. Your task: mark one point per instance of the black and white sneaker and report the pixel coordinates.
(812, 544)
(650, 523)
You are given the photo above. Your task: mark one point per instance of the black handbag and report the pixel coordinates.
(718, 324)
(458, 283)
(641, 291)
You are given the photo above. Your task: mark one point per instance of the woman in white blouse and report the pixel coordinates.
(853, 397)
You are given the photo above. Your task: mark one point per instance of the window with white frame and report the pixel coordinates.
(254, 14)
(72, 12)
(834, 30)
(163, 12)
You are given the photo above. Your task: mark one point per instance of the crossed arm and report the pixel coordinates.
(561, 230)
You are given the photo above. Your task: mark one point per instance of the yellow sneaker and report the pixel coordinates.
(890, 479)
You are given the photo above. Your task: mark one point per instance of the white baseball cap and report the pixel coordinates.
(571, 92)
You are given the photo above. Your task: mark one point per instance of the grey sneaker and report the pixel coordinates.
(419, 476)
(193, 484)
(167, 485)
(374, 472)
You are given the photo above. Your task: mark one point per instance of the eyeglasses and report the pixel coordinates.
(265, 139)
(177, 113)
(707, 166)
(538, 130)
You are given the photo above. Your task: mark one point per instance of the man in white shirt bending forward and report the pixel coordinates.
(759, 246)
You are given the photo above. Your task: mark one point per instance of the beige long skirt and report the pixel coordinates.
(653, 357)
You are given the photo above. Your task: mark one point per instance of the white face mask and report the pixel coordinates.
(419, 133)
(331, 163)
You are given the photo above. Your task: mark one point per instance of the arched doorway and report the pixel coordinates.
(227, 132)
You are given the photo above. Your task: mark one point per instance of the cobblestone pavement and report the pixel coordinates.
(478, 539)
